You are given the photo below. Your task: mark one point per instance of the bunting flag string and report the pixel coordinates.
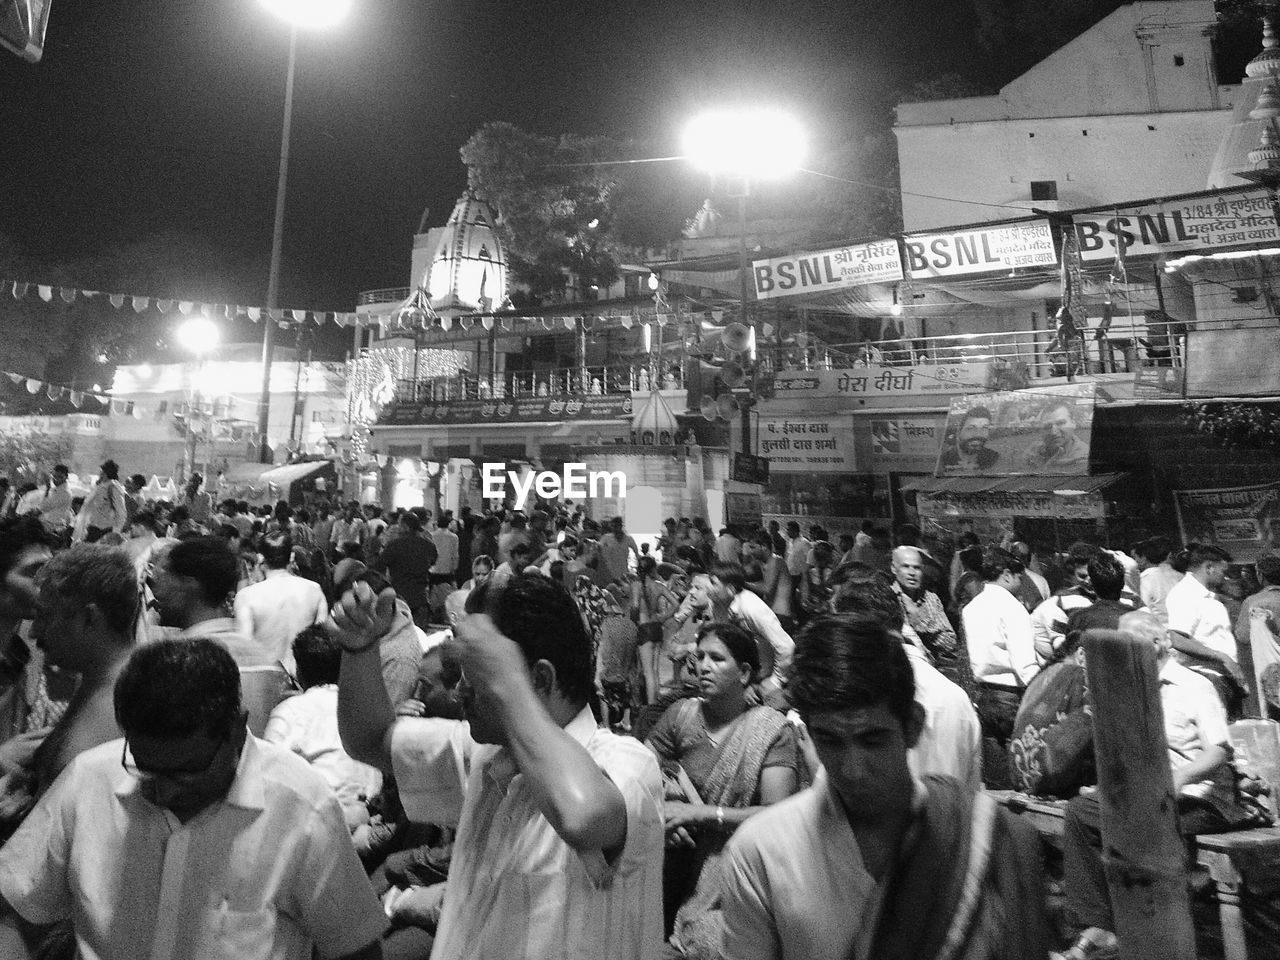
(285, 317)
(76, 397)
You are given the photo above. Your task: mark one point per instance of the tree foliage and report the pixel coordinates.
(23, 456)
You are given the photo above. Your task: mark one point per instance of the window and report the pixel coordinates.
(1044, 189)
(1178, 60)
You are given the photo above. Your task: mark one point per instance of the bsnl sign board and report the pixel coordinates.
(979, 250)
(1191, 225)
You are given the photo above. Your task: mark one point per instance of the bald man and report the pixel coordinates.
(922, 608)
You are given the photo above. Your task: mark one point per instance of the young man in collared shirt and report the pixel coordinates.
(560, 832)
(1200, 624)
(190, 837)
(998, 635)
(869, 861)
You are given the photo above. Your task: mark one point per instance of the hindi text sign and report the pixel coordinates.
(851, 266)
(980, 250)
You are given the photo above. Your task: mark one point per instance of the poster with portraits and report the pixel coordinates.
(1040, 431)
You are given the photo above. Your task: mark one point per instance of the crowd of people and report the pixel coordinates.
(345, 732)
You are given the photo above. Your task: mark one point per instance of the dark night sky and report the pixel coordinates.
(162, 115)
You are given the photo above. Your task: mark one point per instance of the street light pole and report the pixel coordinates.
(277, 239)
(743, 266)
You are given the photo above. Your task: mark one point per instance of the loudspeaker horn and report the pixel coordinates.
(726, 406)
(732, 374)
(736, 337)
(709, 409)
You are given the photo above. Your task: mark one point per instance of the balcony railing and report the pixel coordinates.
(578, 381)
(386, 295)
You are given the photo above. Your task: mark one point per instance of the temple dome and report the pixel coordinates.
(468, 268)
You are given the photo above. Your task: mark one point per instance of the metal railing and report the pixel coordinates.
(386, 295)
(575, 381)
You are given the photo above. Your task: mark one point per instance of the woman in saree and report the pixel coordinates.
(723, 760)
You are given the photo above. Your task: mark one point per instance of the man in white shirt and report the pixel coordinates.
(445, 569)
(997, 631)
(193, 583)
(560, 835)
(55, 508)
(275, 610)
(729, 587)
(860, 866)
(1195, 725)
(171, 842)
(1156, 576)
(1201, 625)
(797, 555)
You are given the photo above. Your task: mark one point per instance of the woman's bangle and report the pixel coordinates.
(720, 818)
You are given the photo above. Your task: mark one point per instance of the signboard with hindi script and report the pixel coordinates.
(809, 444)
(851, 266)
(1244, 521)
(956, 253)
(515, 410)
(942, 379)
(1204, 223)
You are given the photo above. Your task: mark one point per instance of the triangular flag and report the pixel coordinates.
(68, 294)
(77, 398)
(164, 306)
(626, 322)
(185, 307)
(486, 322)
(446, 322)
(117, 300)
(53, 392)
(340, 319)
(569, 322)
(255, 313)
(298, 315)
(33, 386)
(276, 315)
(45, 291)
(15, 377)
(466, 322)
(140, 304)
(20, 290)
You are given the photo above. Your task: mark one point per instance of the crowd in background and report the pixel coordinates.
(726, 653)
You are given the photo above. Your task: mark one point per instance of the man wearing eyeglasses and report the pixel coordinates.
(190, 838)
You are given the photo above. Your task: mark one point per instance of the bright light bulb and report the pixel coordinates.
(310, 14)
(199, 335)
(756, 143)
(896, 310)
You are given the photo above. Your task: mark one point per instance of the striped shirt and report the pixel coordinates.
(516, 889)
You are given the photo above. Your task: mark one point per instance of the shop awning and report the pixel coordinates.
(1068, 486)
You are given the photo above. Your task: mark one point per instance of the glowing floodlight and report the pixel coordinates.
(751, 142)
(310, 14)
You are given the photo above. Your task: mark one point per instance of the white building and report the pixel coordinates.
(219, 400)
(1129, 109)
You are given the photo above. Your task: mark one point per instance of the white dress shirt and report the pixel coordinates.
(446, 552)
(1195, 611)
(267, 873)
(997, 631)
(516, 889)
(951, 743)
(307, 724)
(757, 617)
(274, 611)
(1154, 584)
(797, 555)
(1194, 718)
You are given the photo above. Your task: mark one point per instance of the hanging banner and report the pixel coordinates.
(1233, 363)
(743, 509)
(1200, 224)
(517, 410)
(980, 250)
(808, 444)
(879, 380)
(1020, 503)
(851, 266)
(1244, 521)
(1043, 431)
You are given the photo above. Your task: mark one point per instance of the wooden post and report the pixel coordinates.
(1144, 855)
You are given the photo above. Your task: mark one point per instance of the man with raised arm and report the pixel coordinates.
(560, 832)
